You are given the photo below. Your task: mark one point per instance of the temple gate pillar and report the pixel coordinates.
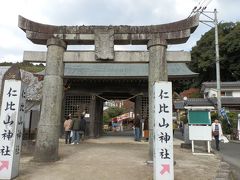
(98, 116)
(157, 72)
(92, 122)
(138, 105)
(50, 118)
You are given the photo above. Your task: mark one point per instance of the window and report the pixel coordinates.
(228, 93)
(76, 104)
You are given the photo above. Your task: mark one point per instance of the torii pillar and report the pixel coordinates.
(157, 72)
(49, 125)
(173, 33)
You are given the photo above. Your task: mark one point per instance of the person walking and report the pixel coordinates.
(67, 128)
(137, 125)
(82, 127)
(217, 132)
(181, 127)
(76, 131)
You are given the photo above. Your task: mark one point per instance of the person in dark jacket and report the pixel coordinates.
(137, 125)
(76, 131)
(82, 127)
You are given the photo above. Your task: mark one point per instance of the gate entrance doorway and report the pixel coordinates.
(93, 96)
(118, 117)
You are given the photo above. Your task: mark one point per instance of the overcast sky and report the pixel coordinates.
(99, 12)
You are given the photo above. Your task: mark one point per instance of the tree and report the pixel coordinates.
(191, 93)
(230, 52)
(105, 117)
(232, 116)
(112, 112)
(27, 66)
(203, 54)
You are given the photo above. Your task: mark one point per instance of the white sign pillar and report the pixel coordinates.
(163, 132)
(11, 128)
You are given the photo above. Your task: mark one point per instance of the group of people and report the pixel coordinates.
(74, 129)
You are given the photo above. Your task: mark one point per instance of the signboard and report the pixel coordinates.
(201, 133)
(163, 132)
(199, 117)
(11, 128)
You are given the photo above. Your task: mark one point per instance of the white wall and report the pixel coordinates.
(236, 94)
(212, 93)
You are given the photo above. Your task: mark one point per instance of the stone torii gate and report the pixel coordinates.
(56, 38)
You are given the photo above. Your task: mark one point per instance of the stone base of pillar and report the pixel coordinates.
(46, 148)
(186, 145)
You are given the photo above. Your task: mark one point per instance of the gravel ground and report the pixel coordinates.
(115, 158)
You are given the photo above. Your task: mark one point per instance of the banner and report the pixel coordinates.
(163, 132)
(224, 115)
(11, 128)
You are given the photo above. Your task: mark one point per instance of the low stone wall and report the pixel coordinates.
(28, 147)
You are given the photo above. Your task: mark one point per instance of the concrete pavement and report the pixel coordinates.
(230, 153)
(235, 141)
(116, 158)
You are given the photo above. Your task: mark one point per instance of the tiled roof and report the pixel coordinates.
(226, 102)
(179, 70)
(231, 100)
(192, 102)
(224, 85)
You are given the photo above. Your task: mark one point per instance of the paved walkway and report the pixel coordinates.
(117, 158)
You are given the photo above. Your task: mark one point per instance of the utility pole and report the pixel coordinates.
(218, 79)
(214, 20)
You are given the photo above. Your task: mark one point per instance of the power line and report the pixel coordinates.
(200, 7)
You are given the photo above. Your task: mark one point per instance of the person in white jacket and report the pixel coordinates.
(217, 132)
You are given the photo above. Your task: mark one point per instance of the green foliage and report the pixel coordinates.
(232, 116)
(112, 112)
(196, 95)
(179, 85)
(105, 118)
(26, 66)
(184, 119)
(203, 54)
(6, 64)
(214, 115)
